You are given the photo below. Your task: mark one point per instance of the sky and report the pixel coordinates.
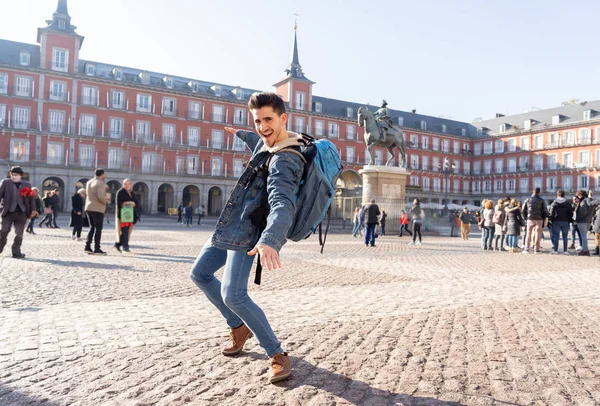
(461, 59)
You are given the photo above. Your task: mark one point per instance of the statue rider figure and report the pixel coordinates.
(383, 119)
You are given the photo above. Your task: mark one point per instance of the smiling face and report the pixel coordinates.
(127, 185)
(269, 125)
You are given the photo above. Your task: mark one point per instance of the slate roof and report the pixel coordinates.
(10, 50)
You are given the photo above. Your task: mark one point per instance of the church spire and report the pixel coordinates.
(61, 21)
(294, 69)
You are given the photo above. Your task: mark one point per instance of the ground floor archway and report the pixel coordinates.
(215, 201)
(80, 184)
(111, 191)
(191, 194)
(55, 183)
(166, 198)
(141, 190)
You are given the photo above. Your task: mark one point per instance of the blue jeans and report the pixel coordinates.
(355, 229)
(575, 230)
(370, 234)
(557, 228)
(511, 241)
(583, 232)
(488, 236)
(231, 297)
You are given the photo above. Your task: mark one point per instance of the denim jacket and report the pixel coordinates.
(238, 228)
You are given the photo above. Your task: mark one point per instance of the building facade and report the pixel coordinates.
(61, 117)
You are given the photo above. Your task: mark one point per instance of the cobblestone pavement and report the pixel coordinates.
(439, 324)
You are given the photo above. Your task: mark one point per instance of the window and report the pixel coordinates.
(445, 146)
(90, 70)
(57, 121)
(456, 147)
(499, 146)
(217, 90)
(238, 167)
(23, 87)
(553, 140)
(425, 162)
(86, 155)
(487, 167)
(62, 24)
(400, 121)
(414, 161)
(3, 83)
(118, 73)
(487, 147)
(144, 103)
(538, 162)
(24, 58)
(54, 155)
(436, 185)
(168, 106)
(2, 115)
(425, 183)
(300, 100)
(239, 94)
(443, 128)
(585, 136)
(523, 163)
(498, 186)
(499, 165)
(143, 132)
(567, 183)
(333, 130)
(551, 183)
(512, 164)
(89, 95)
(149, 162)
(57, 91)
(502, 128)
(523, 185)
(116, 128)
(597, 182)
(511, 186)
(168, 134)
(194, 110)
(114, 158)
(596, 131)
(525, 143)
(217, 139)
(487, 186)
(192, 164)
(583, 182)
(587, 115)
(476, 187)
(414, 181)
(350, 154)
(216, 166)
(423, 125)
(456, 186)
(218, 114)
(87, 124)
(318, 107)
(180, 165)
(349, 112)
(239, 117)
(21, 118)
(117, 100)
(467, 167)
(60, 59)
(168, 83)
(435, 144)
(477, 149)
(538, 141)
(556, 120)
(568, 160)
(425, 142)
(597, 151)
(299, 124)
(19, 150)
(463, 132)
(477, 168)
(465, 186)
(456, 166)
(319, 128)
(414, 140)
(584, 159)
(238, 144)
(194, 136)
(552, 160)
(350, 132)
(569, 137)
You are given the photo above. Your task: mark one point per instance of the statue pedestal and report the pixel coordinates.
(387, 185)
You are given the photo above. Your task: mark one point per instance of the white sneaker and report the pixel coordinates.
(411, 243)
(73, 237)
(565, 252)
(554, 253)
(418, 243)
(578, 248)
(525, 252)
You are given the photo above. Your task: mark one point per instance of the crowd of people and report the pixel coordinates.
(187, 213)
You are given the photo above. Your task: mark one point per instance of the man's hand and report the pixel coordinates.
(79, 213)
(269, 257)
(233, 131)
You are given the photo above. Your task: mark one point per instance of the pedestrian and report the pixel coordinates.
(55, 205)
(180, 213)
(109, 207)
(488, 225)
(465, 223)
(573, 226)
(17, 204)
(499, 217)
(382, 221)
(355, 221)
(534, 211)
(126, 216)
(361, 218)
(95, 207)
(77, 213)
(560, 215)
(371, 213)
(242, 232)
(452, 222)
(39, 207)
(46, 201)
(586, 207)
(596, 230)
(404, 223)
(200, 212)
(189, 214)
(417, 216)
(512, 225)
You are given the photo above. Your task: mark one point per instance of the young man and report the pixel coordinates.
(244, 229)
(561, 214)
(465, 224)
(372, 212)
(535, 211)
(55, 205)
(95, 207)
(16, 206)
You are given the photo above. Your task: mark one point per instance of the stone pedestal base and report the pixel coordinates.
(387, 186)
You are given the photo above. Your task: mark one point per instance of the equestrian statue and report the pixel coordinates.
(380, 131)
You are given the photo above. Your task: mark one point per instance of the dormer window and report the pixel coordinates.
(443, 128)
(400, 121)
(239, 93)
(463, 132)
(217, 90)
(503, 128)
(62, 25)
(349, 112)
(24, 58)
(195, 86)
(168, 82)
(90, 70)
(144, 78)
(527, 124)
(556, 119)
(587, 115)
(118, 73)
(318, 107)
(423, 125)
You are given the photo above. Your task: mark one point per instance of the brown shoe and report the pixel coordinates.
(584, 253)
(281, 367)
(238, 337)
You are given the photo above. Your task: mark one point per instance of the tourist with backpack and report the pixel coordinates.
(260, 215)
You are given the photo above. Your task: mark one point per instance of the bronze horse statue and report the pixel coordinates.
(392, 138)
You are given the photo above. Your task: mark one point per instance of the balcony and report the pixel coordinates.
(89, 100)
(551, 145)
(585, 141)
(20, 91)
(169, 112)
(217, 118)
(318, 132)
(193, 115)
(299, 129)
(239, 121)
(466, 152)
(57, 96)
(18, 124)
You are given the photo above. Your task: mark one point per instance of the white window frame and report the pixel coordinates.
(511, 186)
(87, 124)
(425, 183)
(57, 63)
(333, 130)
(116, 130)
(143, 103)
(435, 144)
(89, 95)
(21, 117)
(117, 99)
(86, 155)
(512, 165)
(142, 131)
(239, 116)
(90, 70)
(567, 183)
(169, 106)
(217, 139)
(192, 164)
(149, 162)
(499, 147)
(565, 162)
(216, 166)
(19, 150)
(318, 107)
(193, 136)
(238, 167)
(349, 112)
(319, 128)
(488, 147)
(300, 101)
(56, 121)
(195, 110)
(477, 148)
(424, 142)
(511, 145)
(525, 145)
(24, 58)
(54, 93)
(350, 132)
(115, 158)
(55, 153)
(23, 86)
(350, 154)
(2, 115)
(581, 161)
(218, 117)
(499, 165)
(3, 83)
(238, 144)
(168, 133)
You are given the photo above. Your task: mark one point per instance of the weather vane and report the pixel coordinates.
(296, 19)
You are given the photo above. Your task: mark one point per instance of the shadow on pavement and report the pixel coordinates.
(166, 258)
(84, 264)
(11, 396)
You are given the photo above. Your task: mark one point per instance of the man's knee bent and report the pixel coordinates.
(234, 298)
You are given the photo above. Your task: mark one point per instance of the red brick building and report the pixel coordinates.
(60, 117)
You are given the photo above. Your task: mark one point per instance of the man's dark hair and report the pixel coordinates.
(267, 99)
(99, 172)
(560, 193)
(537, 191)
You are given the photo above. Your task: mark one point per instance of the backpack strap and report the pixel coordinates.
(323, 236)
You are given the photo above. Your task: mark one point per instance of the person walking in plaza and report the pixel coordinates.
(180, 209)
(512, 225)
(488, 225)
(55, 205)
(417, 215)
(200, 212)
(499, 215)
(39, 207)
(95, 207)
(586, 207)
(534, 211)
(560, 214)
(465, 223)
(126, 205)
(17, 205)
(596, 230)
(573, 226)
(404, 223)
(362, 213)
(242, 232)
(372, 214)
(77, 213)
(46, 201)
(189, 214)
(355, 221)
(452, 223)
(382, 221)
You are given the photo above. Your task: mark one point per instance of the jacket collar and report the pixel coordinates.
(293, 140)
